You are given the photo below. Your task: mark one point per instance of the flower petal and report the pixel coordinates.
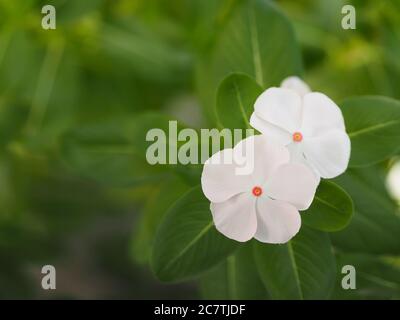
(320, 114)
(265, 157)
(293, 183)
(281, 107)
(236, 218)
(296, 84)
(329, 153)
(277, 134)
(219, 179)
(277, 221)
(297, 156)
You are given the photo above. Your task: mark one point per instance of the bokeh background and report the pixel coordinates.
(111, 60)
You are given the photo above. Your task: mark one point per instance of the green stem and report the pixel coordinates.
(231, 275)
(45, 84)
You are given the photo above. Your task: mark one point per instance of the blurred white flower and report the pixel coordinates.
(263, 204)
(393, 181)
(309, 123)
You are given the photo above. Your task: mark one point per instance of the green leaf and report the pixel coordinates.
(373, 124)
(72, 10)
(113, 152)
(235, 278)
(258, 40)
(331, 209)
(375, 226)
(145, 54)
(103, 152)
(376, 277)
(19, 76)
(303, 268)
(54, 103)
(236, 96)
(187, 242)
(161, 199)
(12, 120)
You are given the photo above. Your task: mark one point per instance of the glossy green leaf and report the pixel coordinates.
(373, 124)
(187, 242)
(257, 40)
(157, 205)
(303, 268)
(236, 96)
(375, 226)
(236, 278)
(331, 209)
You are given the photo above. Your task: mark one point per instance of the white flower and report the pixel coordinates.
(296, 84)
(263, 204)
(309, 123)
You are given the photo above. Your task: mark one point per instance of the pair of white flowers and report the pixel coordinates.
(303, 138)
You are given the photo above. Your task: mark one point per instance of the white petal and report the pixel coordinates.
(276, 134)
(297, 156)
(293, 183)
(277, 221)
(219, 180)
(281, 107)
(320, 114)
(328, 153)
(267, 156)
(393, 181)
(296, 84)
(236, 218)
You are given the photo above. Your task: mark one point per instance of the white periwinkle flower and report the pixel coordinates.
(310, 124)
(296, 84)
(263, 204)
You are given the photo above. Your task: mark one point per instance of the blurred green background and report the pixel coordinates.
(108, 61)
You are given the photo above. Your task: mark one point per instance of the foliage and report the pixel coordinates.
(76, 104)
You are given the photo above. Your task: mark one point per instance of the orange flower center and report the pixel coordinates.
(257, 191)
(297, 137)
